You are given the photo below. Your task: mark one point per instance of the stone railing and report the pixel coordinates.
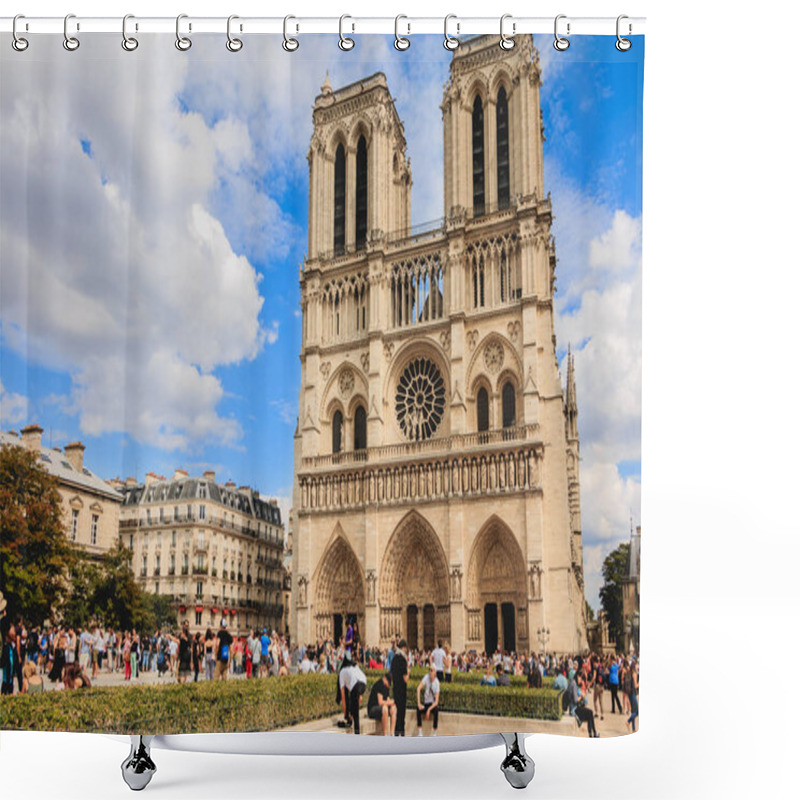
(506, 471)
(458, 443)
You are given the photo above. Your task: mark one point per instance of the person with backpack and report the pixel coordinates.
(223, 652)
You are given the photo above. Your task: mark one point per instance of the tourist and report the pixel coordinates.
(198, 655)
(437, 659)
(210, 649)
(354, 681)
(265, 643)
(582, 712)
(223, 651)
(184, 654)
(126, 655)
(135, 655)
(597, 682)
(488, 678)
(613, 685)
(400, 673)
(85, 656)
(8, 659)
(380, 705)
(145, 646)
(254, 649)
(428, 703)
(31, 682)
(503, 679)
(630, 723)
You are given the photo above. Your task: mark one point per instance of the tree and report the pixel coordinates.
(615, 570)
(35, 555)
(118, 599)
(589, 612)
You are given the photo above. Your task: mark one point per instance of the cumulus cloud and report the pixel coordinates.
(13, 407)
(115, 268)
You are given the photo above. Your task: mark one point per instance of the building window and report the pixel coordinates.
(74, 525)
(131, 542)
(483, 410)
(338, 201)
(509, 405)
(202, 491)
(202, 512)
(160, 514)
(361, 194)
(174, 538)
(503, 172)
(95, 520)
(478, 195)
(144, 564)
(337, 432)
(199, 588)
(478, 274)
(198, 617)
(360, 438)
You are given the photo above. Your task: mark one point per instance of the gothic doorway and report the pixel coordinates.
(496, 585)
(490, 628)
(340, 594)
(414, 583)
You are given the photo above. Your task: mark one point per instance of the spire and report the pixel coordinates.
(326, 87)
(571, 399)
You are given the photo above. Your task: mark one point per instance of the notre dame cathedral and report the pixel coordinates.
(437, 491)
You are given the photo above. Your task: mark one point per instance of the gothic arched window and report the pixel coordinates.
(337, 432)
(360, 437)
(478, 196)
(503, 172)
(509, 405)
(338, 200)
(483, 410)
(361, 194)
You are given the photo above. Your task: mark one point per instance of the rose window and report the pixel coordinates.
(419, 402)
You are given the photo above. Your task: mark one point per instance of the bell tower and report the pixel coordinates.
(359, 176)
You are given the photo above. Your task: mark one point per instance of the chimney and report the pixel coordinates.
(32, 438)
(131, 481)
(74, 452)
(180, 473)
(244, 490)
(273, 502)
(151, 477)
(210, 476)
(230, 485)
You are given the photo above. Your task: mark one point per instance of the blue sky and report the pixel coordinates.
(154, 220)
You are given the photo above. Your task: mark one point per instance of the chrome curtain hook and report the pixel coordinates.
(181, 42)
(561, 43)
(345, 42)
(17, 42)
(450, 42)
(233, 44)
(623, 45)
(507, 42)
(71, 43)
(289, 44)
(400, 42)
(128, 42)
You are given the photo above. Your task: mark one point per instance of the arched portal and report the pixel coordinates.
(497, 591)
(413, 585)
(340, 594)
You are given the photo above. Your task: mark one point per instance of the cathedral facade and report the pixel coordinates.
(436, 488)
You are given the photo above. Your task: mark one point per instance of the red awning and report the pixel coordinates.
(233, 611)
(214, 610)
(182, 609)
(198, 608)
(224, 610)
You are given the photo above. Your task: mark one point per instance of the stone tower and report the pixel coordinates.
(436, 483)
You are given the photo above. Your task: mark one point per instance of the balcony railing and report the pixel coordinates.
(405, 450)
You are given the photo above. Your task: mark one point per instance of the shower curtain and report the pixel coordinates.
(320, 377)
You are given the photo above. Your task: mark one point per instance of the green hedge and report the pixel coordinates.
(241, 705)
(204, 707)
(474, 677)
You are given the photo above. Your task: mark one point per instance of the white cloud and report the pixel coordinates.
(619, 248)
(114, 267)
(13, 407)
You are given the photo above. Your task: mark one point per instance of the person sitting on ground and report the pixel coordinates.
(488, 678)
(380, 705)
(31, 682)
(502, 678)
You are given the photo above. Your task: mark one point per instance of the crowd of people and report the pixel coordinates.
(71, 658)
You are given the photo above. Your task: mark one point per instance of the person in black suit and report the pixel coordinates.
(399, 685)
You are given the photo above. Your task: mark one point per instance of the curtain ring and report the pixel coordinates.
(233, 44)
(561, 43)
(71, 43)
(181, 42)
(128, 42)
(507, 42)
(345, 42)
(623, 45)
(400, 42)
(289, 44)
(450, 42)
(18, 43)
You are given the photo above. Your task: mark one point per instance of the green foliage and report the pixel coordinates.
(240, 705)
(589, 612)
(615, 569)
(35, 556)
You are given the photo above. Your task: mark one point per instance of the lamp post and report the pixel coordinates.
(543, 634)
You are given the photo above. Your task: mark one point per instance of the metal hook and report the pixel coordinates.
(507, 42)
(128, 42)
(400, 42)
(561, 43)
(451, 42)
(181, 42)
(289, 44)
(623, 45)
(70, 42)
(233, 44)
(18, 43)
(345, 42)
